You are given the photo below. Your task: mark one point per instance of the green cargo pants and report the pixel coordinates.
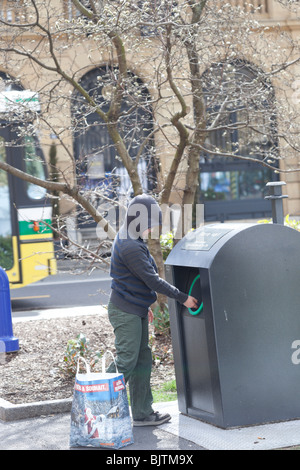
(133, 358)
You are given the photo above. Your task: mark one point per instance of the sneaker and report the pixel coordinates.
(154, 419)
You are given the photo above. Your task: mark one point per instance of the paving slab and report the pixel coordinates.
(182, 433)
(46, 425)
(263, 437)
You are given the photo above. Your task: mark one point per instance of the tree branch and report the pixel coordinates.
(175, 120)
(64, 188)
(241, 157)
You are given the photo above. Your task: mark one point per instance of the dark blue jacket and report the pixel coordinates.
(133, 270)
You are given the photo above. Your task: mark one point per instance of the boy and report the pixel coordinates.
(134, 285)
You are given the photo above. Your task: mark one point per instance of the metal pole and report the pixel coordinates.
(276, 198)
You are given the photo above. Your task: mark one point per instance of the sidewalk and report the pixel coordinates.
(52, 433)
(180, 434)
(20, 428)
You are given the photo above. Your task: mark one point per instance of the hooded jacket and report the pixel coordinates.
(135, 280)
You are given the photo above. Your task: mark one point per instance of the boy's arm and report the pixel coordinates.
(138, 263)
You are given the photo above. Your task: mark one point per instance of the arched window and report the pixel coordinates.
(98, 165)
(242, 117)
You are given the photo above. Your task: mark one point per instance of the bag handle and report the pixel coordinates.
(88, 370)
(104, 359)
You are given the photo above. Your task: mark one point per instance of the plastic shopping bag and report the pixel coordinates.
(100, 412)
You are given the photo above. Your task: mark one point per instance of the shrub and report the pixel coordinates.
(166, 243)
(161, 320)
(75, 348)
(287, 221)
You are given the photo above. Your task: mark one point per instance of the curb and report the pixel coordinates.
(12, 412)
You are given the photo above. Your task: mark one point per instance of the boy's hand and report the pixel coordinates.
(191, 302)
(150, 315)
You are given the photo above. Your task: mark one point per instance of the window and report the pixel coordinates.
(155, 12)
(34, 165)
(94, 149)
(71, 12)
(6, 250)
(258, 6)
(12, 11)
(240, 107)
(99, 168)
(234, 185)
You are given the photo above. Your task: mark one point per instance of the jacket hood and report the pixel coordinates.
(143, 213)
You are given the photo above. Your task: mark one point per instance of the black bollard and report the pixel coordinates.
(276, 197)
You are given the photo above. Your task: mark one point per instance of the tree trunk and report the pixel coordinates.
(156, 252)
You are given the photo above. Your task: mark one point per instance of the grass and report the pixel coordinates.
(166, 392)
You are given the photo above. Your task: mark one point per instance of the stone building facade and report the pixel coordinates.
(85, 60)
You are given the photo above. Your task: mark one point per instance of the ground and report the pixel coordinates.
(34, 373)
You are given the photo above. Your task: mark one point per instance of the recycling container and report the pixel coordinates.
(237, 356)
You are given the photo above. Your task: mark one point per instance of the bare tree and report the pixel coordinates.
(176, 79)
